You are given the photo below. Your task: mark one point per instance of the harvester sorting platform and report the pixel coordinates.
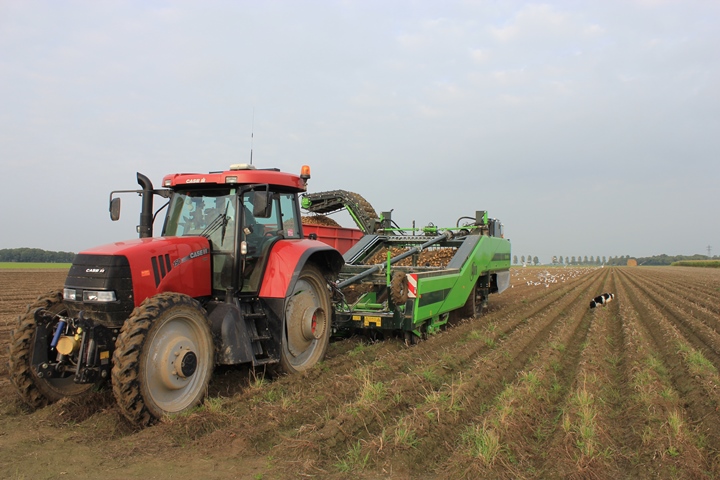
(415, 299)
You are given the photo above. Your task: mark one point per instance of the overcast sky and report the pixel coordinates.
(588, 128)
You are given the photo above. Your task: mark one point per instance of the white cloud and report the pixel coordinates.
(479, 55)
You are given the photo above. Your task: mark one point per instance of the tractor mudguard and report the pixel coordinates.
(287, 259)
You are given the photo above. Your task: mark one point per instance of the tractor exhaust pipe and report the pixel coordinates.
(146, 212)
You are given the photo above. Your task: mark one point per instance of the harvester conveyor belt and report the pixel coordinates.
(379, 267)
(360, 209)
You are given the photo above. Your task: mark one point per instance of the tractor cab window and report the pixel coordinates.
(259, 232)
(209, 213)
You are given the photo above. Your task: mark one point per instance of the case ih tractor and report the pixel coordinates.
(230, 281)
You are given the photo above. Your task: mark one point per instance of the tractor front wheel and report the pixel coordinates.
(163, 359)
(307, 322)
(35, 391)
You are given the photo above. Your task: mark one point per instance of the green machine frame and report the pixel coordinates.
(420, 299)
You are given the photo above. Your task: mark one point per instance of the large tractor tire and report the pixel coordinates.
(307, 322)
(163, 359)
(38, 392)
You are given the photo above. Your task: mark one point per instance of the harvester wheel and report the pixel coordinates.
(307, 322)
(399, 289)
(473, 306)
(163, 359)
(35, 391)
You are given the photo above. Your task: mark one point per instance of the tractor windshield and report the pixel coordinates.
(209, 213)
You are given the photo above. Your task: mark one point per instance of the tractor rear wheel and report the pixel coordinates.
(307, 322)
(35, 391)
(163, 359)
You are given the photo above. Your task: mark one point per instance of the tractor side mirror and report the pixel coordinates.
(262, 204)
(115, 209)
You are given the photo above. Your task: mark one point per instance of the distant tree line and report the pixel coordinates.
(669, 259)
(34, 255)
(617, 260)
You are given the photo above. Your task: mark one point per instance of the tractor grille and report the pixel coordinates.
(103, 273)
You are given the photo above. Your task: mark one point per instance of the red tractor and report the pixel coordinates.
(230, 281)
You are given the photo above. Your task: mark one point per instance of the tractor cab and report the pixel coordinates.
(242, 212)
(240, 222)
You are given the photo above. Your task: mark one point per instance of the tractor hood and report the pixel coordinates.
(162, 264)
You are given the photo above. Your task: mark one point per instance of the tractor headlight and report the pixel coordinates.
(69, 294)
(98, 296)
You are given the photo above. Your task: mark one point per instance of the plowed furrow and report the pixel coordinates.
(705, 308)
(695, 282)
(519, 354)
(700, 335)
(584, 430)
(699, 404)
(523, 412)
(651, 403)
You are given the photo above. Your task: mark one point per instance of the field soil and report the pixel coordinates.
(539, 386)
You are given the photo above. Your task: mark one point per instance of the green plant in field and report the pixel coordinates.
(531, 378)
(483, 443)
(586, 426)
(490, 342)
(354, 459)
(475, 335)
(258, 382)
(655, 363)
(381, 365)
(213, 404)
(699, 363)
(371, 392)
(555, 388)
(555, 366)
(404, 435)
(442, 401)
(675, 422)
(566, 423)
(359, 349)
(668, 393)
(647, 435)
(431, 376)
(614, 360)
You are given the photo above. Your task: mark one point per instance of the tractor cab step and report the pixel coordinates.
(259, 362)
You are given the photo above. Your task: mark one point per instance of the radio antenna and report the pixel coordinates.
(252, 135)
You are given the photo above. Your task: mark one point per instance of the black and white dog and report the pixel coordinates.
(602, 299)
